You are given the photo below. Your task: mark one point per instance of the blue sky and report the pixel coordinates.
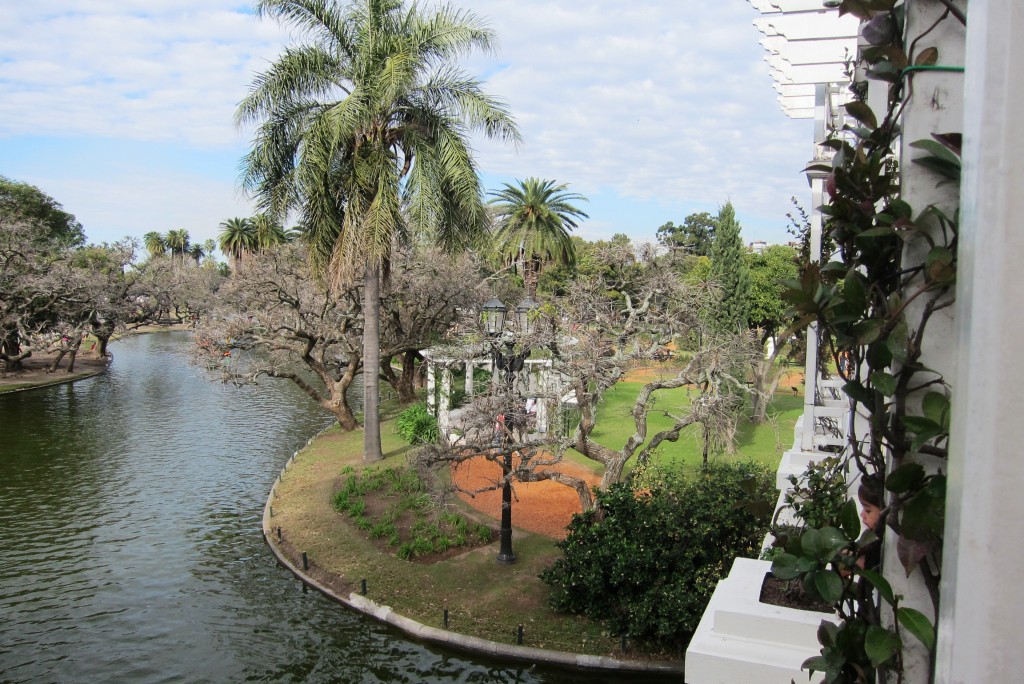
(122, 110)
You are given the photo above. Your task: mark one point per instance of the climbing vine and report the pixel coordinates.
(893, 270)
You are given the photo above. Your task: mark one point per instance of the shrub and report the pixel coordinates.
(818, 495)
(648, 562)
(416, 426)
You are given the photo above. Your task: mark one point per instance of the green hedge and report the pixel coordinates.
(647, 563)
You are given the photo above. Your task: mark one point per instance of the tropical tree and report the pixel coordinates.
(364, 129)
(535, 219)
(154, 243)
(269, 232)
(236, 238)
(178, 242)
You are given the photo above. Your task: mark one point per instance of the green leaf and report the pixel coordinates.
(828, 585)
(878, 231)
(908, 476)
(923, 428)
(884, 383)
(811, 542)
(897, 341)
(936, 407)
(858, 392)
(939, 166)
(924, 513)
(917, 624)
(785, 567)
(880, 644)
(830, 542)
(862, 112)
(850, 520)
(900, 209)
(853, 290)
(880, 584)
(937, 149)
(815, 664)
(927, 57)
(827, 633)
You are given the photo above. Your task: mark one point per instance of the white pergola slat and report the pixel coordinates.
(806, 45)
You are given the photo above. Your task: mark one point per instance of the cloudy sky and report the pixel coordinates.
(122, 109)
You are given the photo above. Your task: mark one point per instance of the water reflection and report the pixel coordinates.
(130, 523)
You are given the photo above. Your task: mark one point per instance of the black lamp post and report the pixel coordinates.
(495, 315)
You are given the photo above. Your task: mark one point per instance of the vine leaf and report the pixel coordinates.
(862, 112)
(880, 644)
(927, 57)
(917, 624)
(880, 584)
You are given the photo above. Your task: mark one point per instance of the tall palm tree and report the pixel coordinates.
(237, 237)
(178, 242)
(197, 252)
(269, 233)
(154, 243)
(365, 130)
(535, 219)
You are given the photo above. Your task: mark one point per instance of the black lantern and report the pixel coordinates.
(524, 313)
(493, 313)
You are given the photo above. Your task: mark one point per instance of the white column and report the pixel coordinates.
(811, 360)
(543, 387)
(470, 366)
(445, 401)
(980, 618)
(431, 400)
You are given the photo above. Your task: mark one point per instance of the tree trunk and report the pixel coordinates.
(407, 382)
(56, 361)
(342, 413)
(766, 374)
(371, 364)
(73, 354)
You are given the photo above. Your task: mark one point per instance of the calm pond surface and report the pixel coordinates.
(130, 509)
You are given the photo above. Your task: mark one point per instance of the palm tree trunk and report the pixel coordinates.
(371, 364)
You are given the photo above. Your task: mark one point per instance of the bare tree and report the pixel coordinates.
(419, 305)
(275, 320)
(594, 335)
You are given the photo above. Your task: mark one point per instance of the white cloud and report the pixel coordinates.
(668, 104)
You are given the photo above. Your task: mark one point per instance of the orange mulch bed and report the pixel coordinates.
(542, 507)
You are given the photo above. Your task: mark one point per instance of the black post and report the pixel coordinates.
(505, 554)
(363, 586)
(278, 533)
(305, 561)
(519, 635)
(446, 618)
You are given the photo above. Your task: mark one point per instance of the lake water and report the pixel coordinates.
(130, 507)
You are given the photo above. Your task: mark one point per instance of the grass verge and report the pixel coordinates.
(483, 599)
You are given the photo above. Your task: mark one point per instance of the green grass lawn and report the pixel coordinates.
(761, 443)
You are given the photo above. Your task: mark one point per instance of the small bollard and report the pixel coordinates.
(446, 618)
(519, 635)
(305, 561)
(278, 533)
(363, 586)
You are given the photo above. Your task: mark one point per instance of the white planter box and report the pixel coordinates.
(741, 640)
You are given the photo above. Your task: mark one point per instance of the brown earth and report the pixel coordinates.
(35, 371)
(542, 507)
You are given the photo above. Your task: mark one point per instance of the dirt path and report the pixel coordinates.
(542, 507)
